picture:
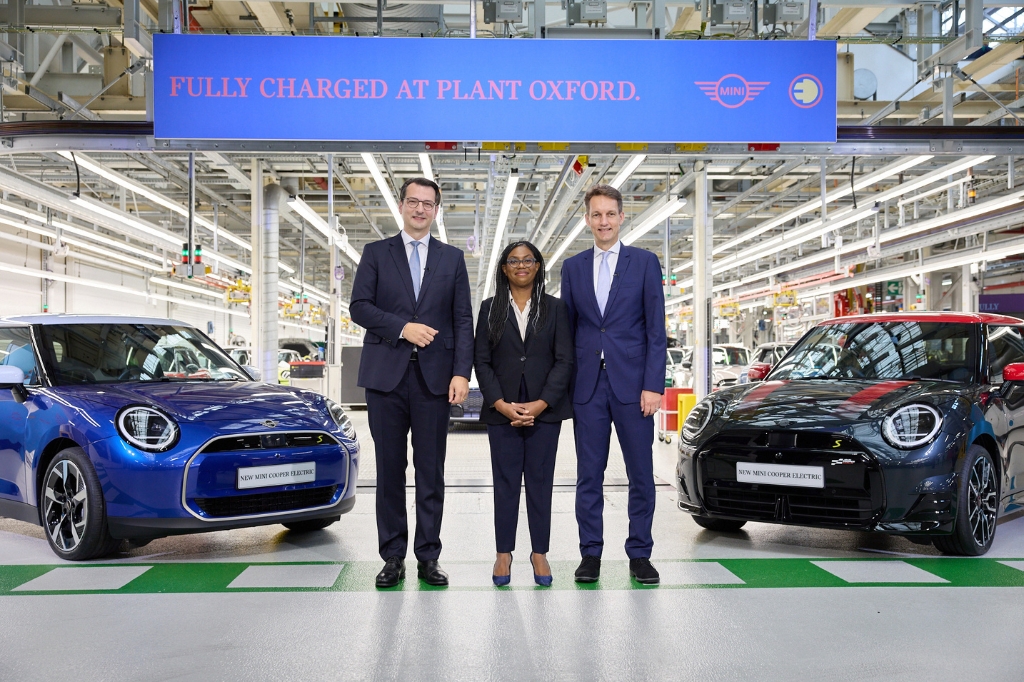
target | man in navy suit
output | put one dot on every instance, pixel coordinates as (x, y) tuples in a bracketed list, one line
[(411, 294), (617, 309)]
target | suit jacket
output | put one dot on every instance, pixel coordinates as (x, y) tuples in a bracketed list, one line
[(383, 302), (545, 359), (631, 333)]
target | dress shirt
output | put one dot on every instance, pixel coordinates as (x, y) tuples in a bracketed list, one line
[(613, 259), (407, 240), (522, 316)]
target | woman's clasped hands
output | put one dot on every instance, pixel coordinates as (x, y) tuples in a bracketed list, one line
[(521, 414)]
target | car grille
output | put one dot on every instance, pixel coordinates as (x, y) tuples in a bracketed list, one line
[(265, 503), (474, 402), (853, 495), (269, 441)]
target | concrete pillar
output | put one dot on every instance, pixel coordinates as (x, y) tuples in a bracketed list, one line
[(966, 290), (702, 244), (273, 197), (333, 352), (255, 280)]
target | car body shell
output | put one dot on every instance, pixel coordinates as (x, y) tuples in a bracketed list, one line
[(722, 375), (153, 494), (836, 424)]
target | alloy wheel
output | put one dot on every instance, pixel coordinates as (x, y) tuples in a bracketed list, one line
[(981, 501), (65, 505)]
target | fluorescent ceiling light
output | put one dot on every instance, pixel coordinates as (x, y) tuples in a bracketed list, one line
[(311, 216), (152, 195), (428, 171), (618, 181), (620, 178), (653, 220), (125, 219), (287, 268), (382, 185), (499, 230)]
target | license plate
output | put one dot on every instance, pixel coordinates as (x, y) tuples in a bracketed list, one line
[(279, 474), (781, 474)]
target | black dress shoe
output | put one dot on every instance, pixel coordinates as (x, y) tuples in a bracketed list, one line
[(589, 570), (430, 572), (392, 573), (643, 572)]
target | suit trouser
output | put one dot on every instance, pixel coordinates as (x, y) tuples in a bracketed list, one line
[(521, 454), (392, 414), (593, 427)]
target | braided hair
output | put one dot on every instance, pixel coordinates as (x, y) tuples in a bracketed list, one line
[(499, 306)]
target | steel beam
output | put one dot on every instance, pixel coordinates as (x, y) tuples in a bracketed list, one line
[(702, 282), (67, 16)]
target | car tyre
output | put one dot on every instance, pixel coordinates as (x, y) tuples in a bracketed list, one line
[(977, 507), (310, 525), (73, 510), (719, 525)]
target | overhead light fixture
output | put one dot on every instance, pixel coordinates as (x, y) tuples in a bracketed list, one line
[(382, 186), (654, 220), (287, 268), (617, 182), (314, 219), (499, 229), (311, 216), (152, 195), (124, 219), (428, 172)]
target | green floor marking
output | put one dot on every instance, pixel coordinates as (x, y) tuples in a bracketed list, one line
[(358, 576)]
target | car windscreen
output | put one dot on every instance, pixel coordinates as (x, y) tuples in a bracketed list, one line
[(114, 353), (725, 356), (884, 350)]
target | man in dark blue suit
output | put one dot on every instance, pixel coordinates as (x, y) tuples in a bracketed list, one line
[(617, 309), (411, 294)]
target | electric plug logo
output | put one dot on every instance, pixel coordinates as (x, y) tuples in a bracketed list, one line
[(805, 91)]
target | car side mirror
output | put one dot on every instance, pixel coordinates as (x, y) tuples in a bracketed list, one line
[(758, 371), (1013, 372), (253, 372), (14, 378), (687, 365)]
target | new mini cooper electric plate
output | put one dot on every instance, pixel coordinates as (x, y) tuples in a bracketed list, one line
[(780, 474), (279, 474)]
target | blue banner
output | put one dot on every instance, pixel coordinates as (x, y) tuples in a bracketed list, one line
[(437, 89)]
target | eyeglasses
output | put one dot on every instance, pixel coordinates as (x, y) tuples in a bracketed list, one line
[(515, 262), (416, 203)]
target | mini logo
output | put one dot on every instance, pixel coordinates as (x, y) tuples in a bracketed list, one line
[(805, 91), (844, 460), (269, 423), (732, 91)]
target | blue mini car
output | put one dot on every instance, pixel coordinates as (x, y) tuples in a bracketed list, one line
[(117, 429)]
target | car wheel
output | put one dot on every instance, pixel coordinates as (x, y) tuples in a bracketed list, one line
[(720, 525), (310, 525), (977, 507), (74, 512)]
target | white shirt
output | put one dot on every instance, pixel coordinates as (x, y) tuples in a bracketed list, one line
[(613, 259), (408, 240), (522, 316)]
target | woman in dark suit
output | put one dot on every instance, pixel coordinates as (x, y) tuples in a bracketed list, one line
[(524, 359)]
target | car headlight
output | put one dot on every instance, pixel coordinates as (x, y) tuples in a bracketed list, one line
[(147, 428), (911, 426), (341, 419), (698, 418)]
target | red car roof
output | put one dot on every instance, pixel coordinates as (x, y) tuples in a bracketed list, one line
[(949, 317)]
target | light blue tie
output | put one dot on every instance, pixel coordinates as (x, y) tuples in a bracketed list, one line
[(604, 282), (414, 269)]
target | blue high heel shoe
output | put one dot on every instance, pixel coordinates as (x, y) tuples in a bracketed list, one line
[(542, 580), (503, 580)]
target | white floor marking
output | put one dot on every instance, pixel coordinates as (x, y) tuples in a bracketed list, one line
[(1019, 565), (479, 574), (83, 578), (696, 573), (878, 572), (322, 575)]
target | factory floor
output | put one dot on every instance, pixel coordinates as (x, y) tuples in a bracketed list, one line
[(769, 602)]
